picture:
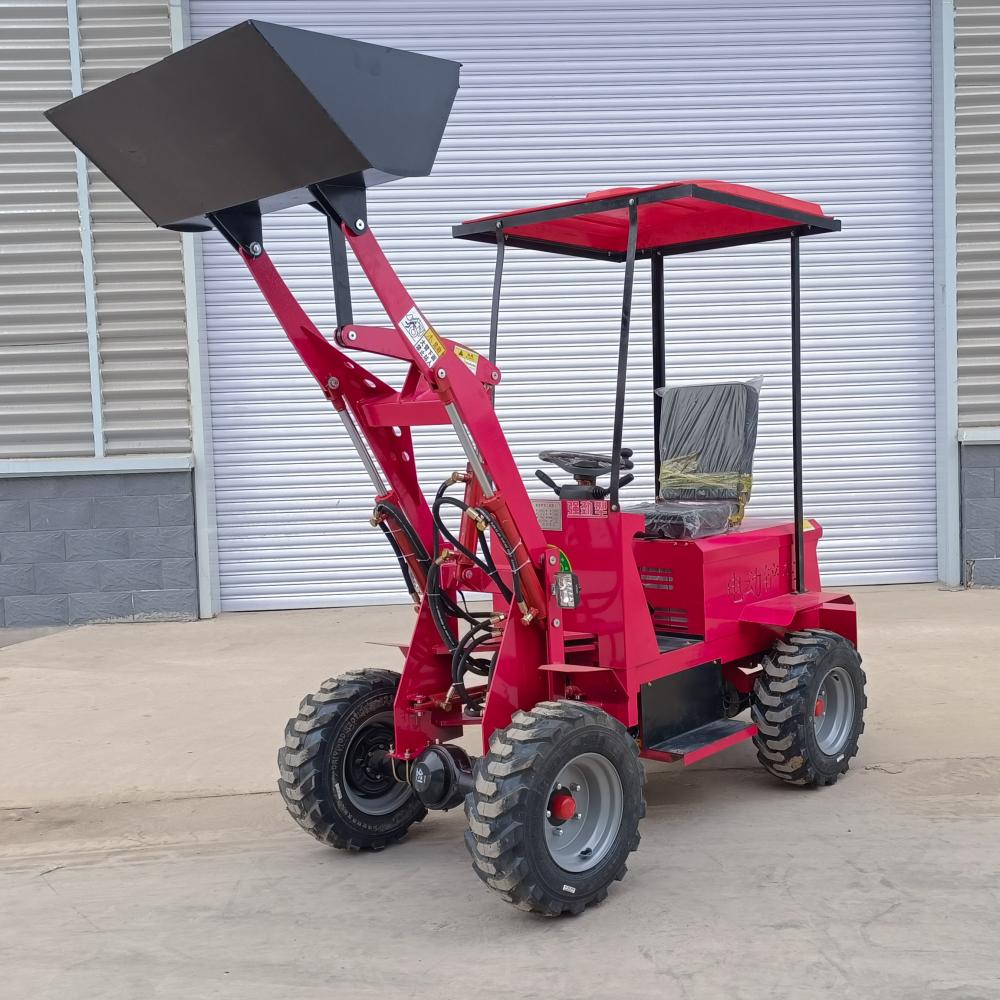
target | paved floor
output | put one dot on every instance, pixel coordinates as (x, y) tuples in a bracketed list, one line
[(144, 855)]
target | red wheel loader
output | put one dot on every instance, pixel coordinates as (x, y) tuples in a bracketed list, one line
[(614, 631)]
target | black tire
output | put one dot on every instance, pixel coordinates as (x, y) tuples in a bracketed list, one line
[(321, 753), (784, 706), (507, 808)]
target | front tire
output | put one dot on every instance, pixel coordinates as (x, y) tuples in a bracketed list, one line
[(332, 772), (808, 705), (556, 807)]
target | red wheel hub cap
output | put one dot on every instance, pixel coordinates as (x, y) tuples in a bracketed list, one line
[(562, 806)]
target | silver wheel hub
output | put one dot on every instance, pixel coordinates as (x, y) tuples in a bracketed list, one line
[(583, 812), (833, 711)]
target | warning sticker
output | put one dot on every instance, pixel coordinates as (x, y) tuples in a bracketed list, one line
[(422, 336), (425, 350), (432, 338), (413, 325), (470, 358)]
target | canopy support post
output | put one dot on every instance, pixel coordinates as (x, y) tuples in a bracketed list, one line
[(797, 418), (616, 442), (659, 360), (495, 305)]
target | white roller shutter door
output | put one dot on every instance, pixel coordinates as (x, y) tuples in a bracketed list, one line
[(829, 102)]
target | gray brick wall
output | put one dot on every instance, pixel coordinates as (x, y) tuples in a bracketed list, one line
[(981, 514), (102, 548)]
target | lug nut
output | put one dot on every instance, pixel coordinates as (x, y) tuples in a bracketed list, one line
[(575, 788)]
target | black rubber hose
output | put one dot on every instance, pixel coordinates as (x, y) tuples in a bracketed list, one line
[(401, 559), (434, 602), (385, 508), (462, 662), (466, 646), (508, 551), (486, 564)]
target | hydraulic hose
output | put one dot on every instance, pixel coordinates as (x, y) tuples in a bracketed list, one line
[(401, 559), (486, 563)]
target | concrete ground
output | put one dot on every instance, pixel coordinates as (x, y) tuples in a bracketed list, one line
[(144, 853)]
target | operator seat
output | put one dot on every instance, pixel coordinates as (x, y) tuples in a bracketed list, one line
[(707, 437)]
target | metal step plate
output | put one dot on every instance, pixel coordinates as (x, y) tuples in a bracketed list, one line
[(696, 744)]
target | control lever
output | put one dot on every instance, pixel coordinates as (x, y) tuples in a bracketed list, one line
[(548, 480), (600, 492)]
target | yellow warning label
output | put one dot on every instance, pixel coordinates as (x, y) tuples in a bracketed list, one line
[(470, 358), (435, 341)]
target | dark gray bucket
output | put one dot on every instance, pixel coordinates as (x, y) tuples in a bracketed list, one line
[(257, 113)]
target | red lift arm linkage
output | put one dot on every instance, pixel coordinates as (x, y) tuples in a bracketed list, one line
[(447, 382)]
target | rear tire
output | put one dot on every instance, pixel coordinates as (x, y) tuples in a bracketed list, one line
[(808, 706), (556, 807), (331, 773)]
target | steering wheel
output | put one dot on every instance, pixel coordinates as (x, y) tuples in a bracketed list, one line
[(584, 465), (585, 468)]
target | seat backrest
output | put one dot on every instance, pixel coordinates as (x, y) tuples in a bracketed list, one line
[(707, 437)]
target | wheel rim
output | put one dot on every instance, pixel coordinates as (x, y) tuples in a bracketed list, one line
[(833, 711), (583, 812), (368, 786)]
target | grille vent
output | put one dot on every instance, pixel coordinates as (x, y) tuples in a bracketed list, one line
[(656, 578)]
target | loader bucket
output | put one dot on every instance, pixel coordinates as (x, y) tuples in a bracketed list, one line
[(257, 113)]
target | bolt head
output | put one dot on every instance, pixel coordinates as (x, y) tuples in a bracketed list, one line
[(556, 623), (495, 376), (352, 334), (441, 373), (552, 560), (255, 249), (333, 383), (360, 225)]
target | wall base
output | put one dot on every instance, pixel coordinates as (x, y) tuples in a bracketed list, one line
[(97, 548), (981, 515)]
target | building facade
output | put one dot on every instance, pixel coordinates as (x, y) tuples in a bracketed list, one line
[(977, 175), (165, 455), (96, 494)]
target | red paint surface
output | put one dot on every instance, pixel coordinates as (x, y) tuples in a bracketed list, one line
[(660, 224), (731, 594)]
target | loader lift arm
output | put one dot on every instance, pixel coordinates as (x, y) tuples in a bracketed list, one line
[(446, 381)]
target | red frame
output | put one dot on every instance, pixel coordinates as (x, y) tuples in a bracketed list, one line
[(734, 591)]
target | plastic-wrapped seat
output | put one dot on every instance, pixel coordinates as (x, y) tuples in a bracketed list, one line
[(707, 437)]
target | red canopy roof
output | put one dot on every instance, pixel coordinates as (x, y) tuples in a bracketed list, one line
[(678, 217)]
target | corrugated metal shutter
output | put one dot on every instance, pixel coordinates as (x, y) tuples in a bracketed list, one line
[(44, 374), (977, 141), (825, 101), (137, 268)]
